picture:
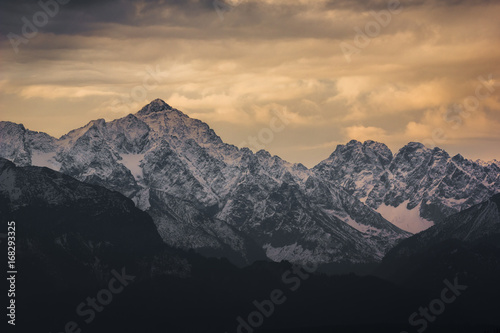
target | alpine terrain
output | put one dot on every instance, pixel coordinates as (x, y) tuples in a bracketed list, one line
[(223, 201)]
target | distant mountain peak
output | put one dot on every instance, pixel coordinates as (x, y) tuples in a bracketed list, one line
[(414, 146), (10, 126), (263, 153), (98, 122), (354, 148), (458, 158), (157, 105), (359, 144), (371, 143), (354, 143)]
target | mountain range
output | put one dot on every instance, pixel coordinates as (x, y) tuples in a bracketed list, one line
[(225, 201), (414, 188), (74, 238)]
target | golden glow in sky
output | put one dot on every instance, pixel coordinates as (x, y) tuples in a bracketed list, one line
[(390, 71)]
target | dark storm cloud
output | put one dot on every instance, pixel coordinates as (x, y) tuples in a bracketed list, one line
[(81, 16), (195, 18)]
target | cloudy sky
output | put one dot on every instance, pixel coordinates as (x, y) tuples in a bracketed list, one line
[(395, 72)]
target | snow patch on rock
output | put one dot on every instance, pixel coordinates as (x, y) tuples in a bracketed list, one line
[(48, 160), (133, 163), (403, 218)]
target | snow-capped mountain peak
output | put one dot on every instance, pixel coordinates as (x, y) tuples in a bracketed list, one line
[(156, 105)]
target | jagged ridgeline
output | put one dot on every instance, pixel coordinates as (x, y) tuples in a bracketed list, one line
[(223, 201)]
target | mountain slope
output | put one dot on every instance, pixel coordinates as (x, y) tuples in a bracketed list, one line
[(478, 223), (466, 243), (71, 234)]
